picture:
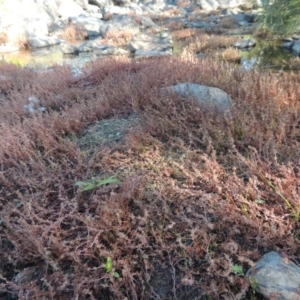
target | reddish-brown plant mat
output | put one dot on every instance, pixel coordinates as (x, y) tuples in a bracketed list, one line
[(120, 191)]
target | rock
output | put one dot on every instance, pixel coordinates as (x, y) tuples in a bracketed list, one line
[(91, 45), (69, 49), (243, 23), (21, 28), (112, 9), (201, 55), (151, 53), (34, 105), (42, 41), (119, 23), (63, 9), (288, 45), (296, 37), (146, 22), (83, 3), (248, 64), (93, 8), (287, 39), (89, 24), (216, 4), (147, 42), (101, 3), (200, 24), (242, 44), (231, 11), (35, 26), (274, 276), (135, 8), (121, 2), (296, 48), (13, 11), (105, 50), (57, 28), (239, 15), (205, 95)]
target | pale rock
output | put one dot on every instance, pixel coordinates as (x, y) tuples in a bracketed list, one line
[(90, 24), (42, 41), (244, 44), (151, 53), (119, 23), (147, 42), (205, 95)]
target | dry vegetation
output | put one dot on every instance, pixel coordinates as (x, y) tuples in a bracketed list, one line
[(201, 191), (73, 33), (231, 55), (3, 38), (228, 22), (119, 37), (198, 41)]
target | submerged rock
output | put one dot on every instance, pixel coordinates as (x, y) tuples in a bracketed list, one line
[(69, 49), (275, 276)]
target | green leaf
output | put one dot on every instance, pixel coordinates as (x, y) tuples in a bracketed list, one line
[(238, 270), (108, 264), (88, 187), (108, 181), (80, 183), (116, 274), (94, 183)]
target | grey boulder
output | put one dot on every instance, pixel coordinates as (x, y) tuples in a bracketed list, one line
[(205, 95), (90, 24), (106, 50), (147, 42), (35, 41), (119, 23), (296, 48), (151, 53), (275, 277)]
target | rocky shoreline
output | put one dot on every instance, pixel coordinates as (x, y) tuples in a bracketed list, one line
[(144, 26)]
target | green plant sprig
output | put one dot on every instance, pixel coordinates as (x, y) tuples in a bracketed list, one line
[(109, 267), (96, 182), (295, 210)]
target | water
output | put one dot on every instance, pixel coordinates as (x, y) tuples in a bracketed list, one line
[(43, 58), (267, 55)]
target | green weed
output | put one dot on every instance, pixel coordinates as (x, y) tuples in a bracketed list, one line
[(95, 183), (295, 210), (238, 270), (109, 267)]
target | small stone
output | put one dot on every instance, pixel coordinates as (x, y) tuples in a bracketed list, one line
[(35, 100), (244, 44)]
